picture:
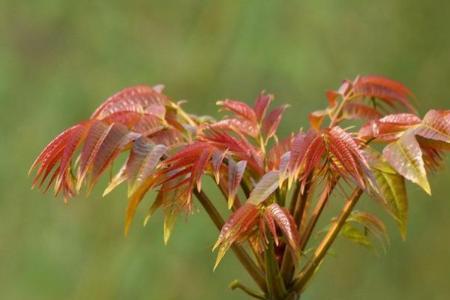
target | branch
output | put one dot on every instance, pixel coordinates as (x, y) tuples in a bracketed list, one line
[(274, 280), (243, 257), (237, 285), (327, 241), (323, 199), (298, 204)]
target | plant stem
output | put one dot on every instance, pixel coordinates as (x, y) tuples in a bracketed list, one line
[(275, 284), (327, 241), (323, 199), (237, 285), (243, 257), (298, 204)]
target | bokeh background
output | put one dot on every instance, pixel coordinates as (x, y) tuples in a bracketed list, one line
[(60, 59)]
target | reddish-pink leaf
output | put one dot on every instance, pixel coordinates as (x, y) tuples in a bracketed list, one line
[(286, 223), (268, 217), (238, 146), (272, 121), (216, 162), (306, 153), (262, 103), (239, 108), (199, 167), (388, 128), (387, 90), (435, 126), (136, 99), (277, 151), (239, 125), (97, 134), (235, 174), (236, 227), (112, 144), (354, 110)]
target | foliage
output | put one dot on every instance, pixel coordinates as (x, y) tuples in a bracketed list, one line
[(171, 151)]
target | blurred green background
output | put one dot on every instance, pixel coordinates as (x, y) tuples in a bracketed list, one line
[(61, 59)]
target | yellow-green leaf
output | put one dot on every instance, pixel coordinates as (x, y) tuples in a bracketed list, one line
[(405, 156), (392, 189)]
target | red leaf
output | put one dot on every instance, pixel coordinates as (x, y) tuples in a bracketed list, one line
[(387, 90), (216, 162), (113, 143), (350, 160), (277, 151), (97, 134), (286, 223), (435, 126), (239, 125), (139, 98), (237, 146), (239, 108), (388, 128), (61, 149), (238, 225), (272, 121), (306, 153), (262, 103), (354, 110), (199, 167), (235, 174)]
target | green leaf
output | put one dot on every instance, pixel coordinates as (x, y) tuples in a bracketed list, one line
[(355, 235), (405, 156), (392, 189), (360, 226)]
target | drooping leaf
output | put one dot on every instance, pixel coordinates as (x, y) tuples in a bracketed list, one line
[(372, 225), (356, 235), (97, 134), (112, 145), (349, 160), (216, 162), (286, 223), (199, 168), (364, 229), (405, 156), (235, 174), (392, 189), (140, 169), (236, 227)]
